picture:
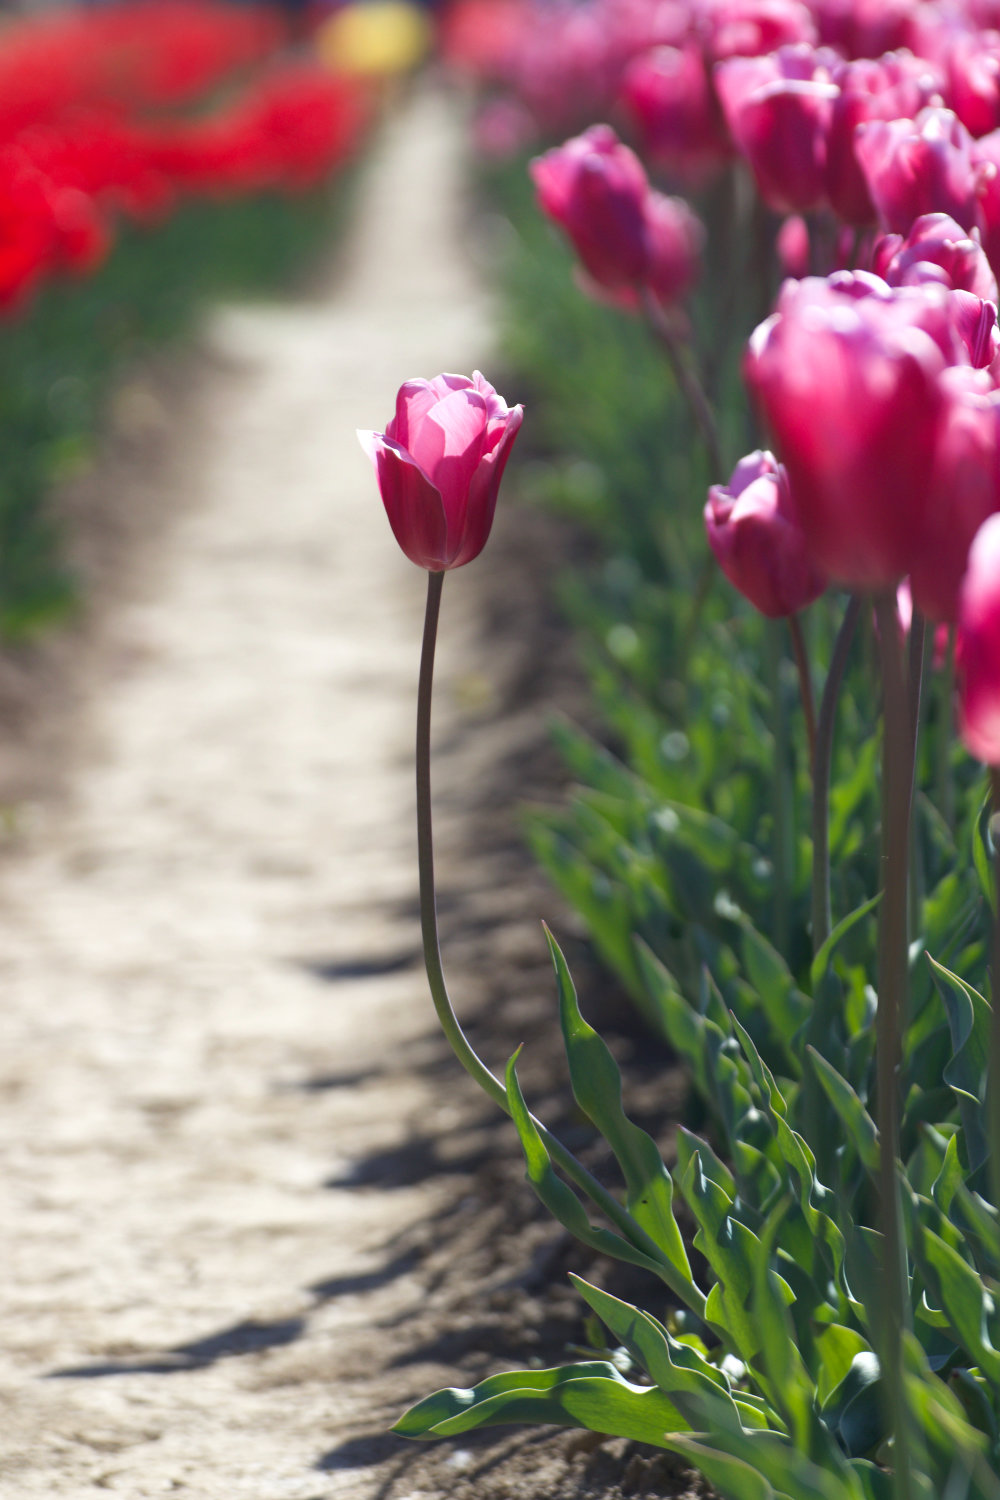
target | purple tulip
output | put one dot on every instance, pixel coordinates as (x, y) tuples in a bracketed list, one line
[(439, 464), (757, 541)]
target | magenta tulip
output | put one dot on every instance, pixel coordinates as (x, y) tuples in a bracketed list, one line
[(892, 87), (779, 110), (965, 490), (922, 166), (757, 541), (936, 248), (594, 187), (629, 237), (847, 375), (439, 464), (752, 28), (670, 97), (979, 645), (863, 28)]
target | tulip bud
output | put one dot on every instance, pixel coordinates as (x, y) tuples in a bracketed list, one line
[(593, 187), (757, 541), (439, 464), (892, 87), (846, 373), (978, 653), (628, 237)]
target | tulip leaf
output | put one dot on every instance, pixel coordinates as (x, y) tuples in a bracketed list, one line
[(959, 1292), (557, 1196), (593, 1395), (597, 1088), (821, 963), (850, 1111), (969, 1024)]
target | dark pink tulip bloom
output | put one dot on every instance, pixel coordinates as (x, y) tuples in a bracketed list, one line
[(793, 248), (921, 166), (594, 188), (972, 63), (987, 156), (936, 245), (975, 321), (439, 464), (863, 28), (965, 489), (669, 95), (757, 540), (892, 87), (979, 645), (847, 375), (752, 28), (779, 111)]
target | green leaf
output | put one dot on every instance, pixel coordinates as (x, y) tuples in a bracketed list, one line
[(821, 963), (850, 1111), (837, 1347), (676, 1368), (594, 1396), (734, 1478), (784, 1005), (969, 1023), (597, 1088), (960, 1294), (558, 1197)]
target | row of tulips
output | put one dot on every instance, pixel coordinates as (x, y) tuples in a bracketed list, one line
[(837, 1336), (120, 113)]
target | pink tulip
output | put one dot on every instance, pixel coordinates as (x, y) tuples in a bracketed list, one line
[(847, 375), (439, 464), (757, 540), (793, 248), (972, 64), (863, 28), (594, 188), (892, 87), (669, 95), (921, 166), (979, 645), (965, 490), (752, 28), (936, 248), (779, 111), (629, 238), (986, 153)]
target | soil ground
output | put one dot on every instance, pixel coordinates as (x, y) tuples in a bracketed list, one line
[(251, 1207)]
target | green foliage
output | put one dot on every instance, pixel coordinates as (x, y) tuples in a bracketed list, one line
[(60, 355)]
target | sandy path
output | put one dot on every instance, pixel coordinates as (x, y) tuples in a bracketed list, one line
[(194, 942)]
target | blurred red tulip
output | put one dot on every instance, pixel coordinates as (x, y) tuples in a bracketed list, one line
[(757, 540)]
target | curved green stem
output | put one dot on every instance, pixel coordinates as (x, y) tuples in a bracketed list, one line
[(822, 761), (685, 1291), (688, 383), (893, 985)]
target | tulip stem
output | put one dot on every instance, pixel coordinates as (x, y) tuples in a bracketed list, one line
[(688, 383), (822, 919), (993, 1068), (805, 682), (685, 1290), (893, 983)]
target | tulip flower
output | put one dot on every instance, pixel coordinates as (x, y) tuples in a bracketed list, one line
[(892, 87), (921, 166), (779, 110), (757, 541), (847, 375), (965, 490), (978, 652), (863, 28), (752, 28), (439, 464), (936, 244), (669, 95), (629, 238)]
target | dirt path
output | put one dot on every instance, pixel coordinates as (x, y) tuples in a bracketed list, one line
[(210, 1002)]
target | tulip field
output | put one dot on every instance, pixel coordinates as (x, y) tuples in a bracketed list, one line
[(785, 846), (719, 280)]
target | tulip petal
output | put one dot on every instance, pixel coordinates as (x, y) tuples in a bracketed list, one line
[(412, 502), (448, 447), (485, 486), (414, 400)]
